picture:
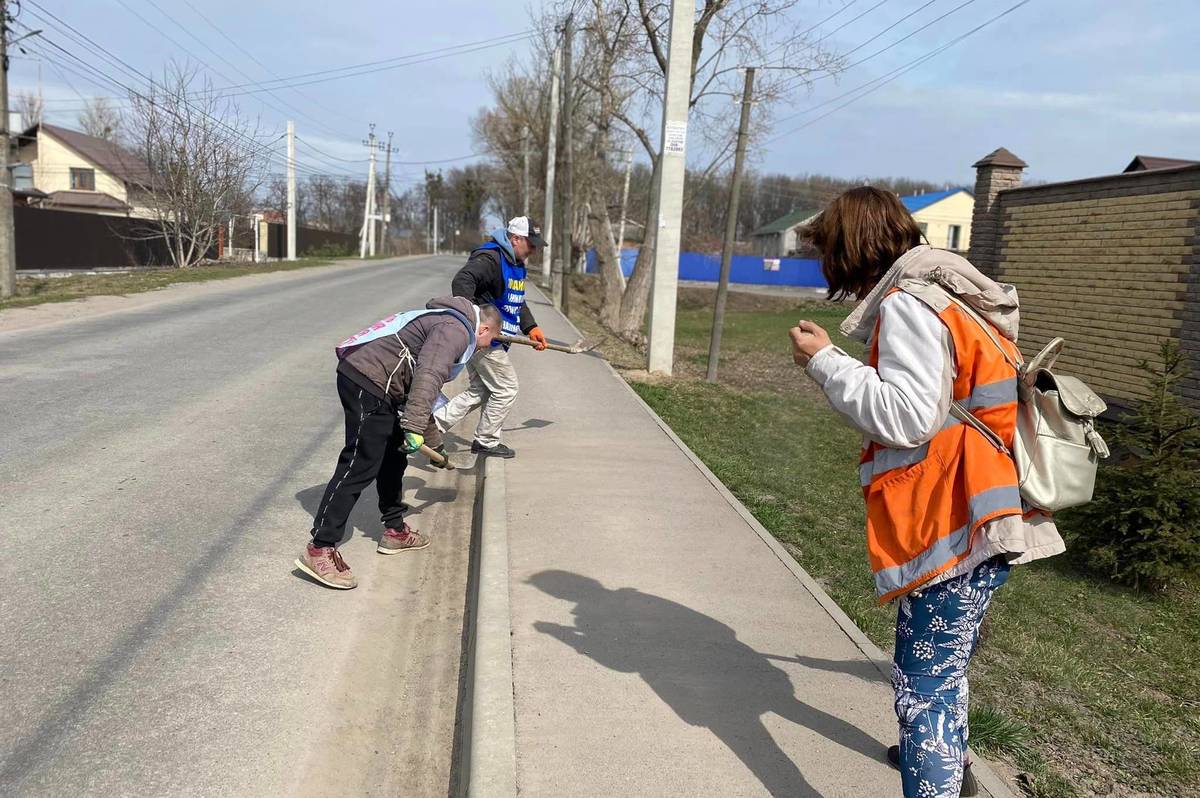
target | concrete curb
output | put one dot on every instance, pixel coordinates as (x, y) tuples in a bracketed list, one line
[(992, 784), (489, 752)]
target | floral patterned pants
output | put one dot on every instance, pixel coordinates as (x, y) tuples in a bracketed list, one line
[(936, 633)]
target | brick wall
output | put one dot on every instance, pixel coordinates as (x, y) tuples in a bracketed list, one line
[(1110, 264)]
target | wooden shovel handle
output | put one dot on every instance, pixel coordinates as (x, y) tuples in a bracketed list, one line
[(437, 458), (524, 341)]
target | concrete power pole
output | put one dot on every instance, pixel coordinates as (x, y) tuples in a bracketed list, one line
[(562, 288), (366, 239), (735, 194), (670, 188), (551, 159), (436, 238), (387, 194), (525, 170), (8, 240), (291, 188)]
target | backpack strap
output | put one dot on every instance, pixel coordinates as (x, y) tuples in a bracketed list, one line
[(987, 328), (967, 417)]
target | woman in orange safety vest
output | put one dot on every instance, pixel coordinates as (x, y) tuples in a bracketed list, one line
[(945, 519)]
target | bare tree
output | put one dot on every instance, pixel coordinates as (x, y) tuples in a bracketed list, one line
[(31, 107), (727, 35), (100, 118), (203, 160)]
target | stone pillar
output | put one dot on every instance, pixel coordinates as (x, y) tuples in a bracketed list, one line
[(994, 173)]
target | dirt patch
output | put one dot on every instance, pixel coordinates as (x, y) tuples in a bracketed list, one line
[(691, 298), (750, 371)]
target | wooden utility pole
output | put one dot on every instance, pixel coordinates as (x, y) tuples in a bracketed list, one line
[(735, 194), (562, 292), (8, 241)]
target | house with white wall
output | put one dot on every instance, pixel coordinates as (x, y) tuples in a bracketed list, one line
[(82, 173), (943, 216)]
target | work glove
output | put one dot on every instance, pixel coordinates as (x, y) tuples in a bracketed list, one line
[(538, 337), (412, 442)]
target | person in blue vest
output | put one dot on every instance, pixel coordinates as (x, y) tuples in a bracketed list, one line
[(495, 274), (389, 377)]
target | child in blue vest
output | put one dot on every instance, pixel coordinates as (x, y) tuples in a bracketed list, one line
[(389, 376)]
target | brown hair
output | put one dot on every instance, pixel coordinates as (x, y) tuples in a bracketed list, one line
[(490, 315), (860, 235)]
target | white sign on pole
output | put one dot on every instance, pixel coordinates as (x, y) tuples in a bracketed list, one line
[(770, 264), (675, 138)]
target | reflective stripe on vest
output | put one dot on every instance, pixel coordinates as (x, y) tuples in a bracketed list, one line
[(924, 504), (514, 292)]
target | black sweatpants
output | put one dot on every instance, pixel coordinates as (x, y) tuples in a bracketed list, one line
[(372, 452)]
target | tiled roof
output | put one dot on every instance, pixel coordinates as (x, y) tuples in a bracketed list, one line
[(110, 157), (1144, 163), (86, 199)]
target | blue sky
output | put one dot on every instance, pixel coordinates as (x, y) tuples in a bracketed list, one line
[(1074, 87)]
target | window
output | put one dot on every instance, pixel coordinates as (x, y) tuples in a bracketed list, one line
[(83, 179), (952, 239)]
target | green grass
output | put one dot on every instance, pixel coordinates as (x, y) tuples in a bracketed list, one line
[(1082, 685), (38, 290)]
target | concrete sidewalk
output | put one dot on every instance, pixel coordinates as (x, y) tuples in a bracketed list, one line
[(662, 643)]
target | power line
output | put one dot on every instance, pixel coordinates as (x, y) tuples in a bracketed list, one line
[(206, 64), (891, 76), (465, 51), (804, 33), (882, 50), (510, 38), (226, 37)]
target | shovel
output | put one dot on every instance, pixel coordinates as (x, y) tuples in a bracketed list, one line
[(574, 349)]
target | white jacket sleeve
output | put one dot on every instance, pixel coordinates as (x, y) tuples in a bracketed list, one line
[(906, 400)]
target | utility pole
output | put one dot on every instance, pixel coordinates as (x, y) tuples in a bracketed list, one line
[(525, 174), (8, 240), (291, 189), (735, 194), (436, 241), (624, 205), (670, 188), (366, 239), (562, 288), (387, 193), (551, 159)]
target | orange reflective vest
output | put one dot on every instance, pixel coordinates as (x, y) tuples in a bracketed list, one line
[(925, 504)]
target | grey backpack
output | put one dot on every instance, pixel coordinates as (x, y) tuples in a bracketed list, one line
[(1056, 448)]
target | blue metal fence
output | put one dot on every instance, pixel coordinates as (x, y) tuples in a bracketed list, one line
[(746, 269)]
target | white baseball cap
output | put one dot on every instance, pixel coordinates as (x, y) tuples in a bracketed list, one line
[(527, 228)]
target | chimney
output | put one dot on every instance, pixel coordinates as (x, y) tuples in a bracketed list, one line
[(995, 172)]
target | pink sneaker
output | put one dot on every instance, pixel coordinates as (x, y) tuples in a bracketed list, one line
[(325, 564), (405, 538)]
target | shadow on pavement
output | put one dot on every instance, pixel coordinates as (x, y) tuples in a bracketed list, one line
[(701, 670), (530, 423)]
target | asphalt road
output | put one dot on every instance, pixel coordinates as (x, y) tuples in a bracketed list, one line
[(158, 471)]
